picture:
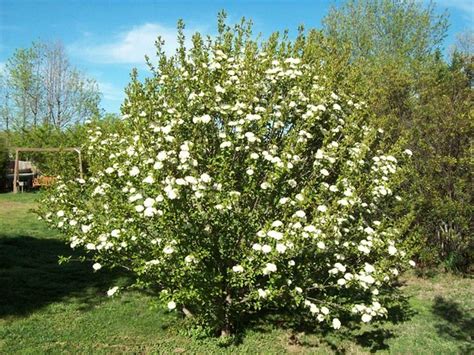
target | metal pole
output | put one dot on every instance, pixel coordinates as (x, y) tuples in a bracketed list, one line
[(15, 174)]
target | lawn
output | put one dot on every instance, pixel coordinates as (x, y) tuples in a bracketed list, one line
[(50, 308)]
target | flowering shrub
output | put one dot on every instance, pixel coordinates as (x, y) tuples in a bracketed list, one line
[(241, 179)]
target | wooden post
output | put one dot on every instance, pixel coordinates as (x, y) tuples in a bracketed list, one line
[(17, 168), (80, 163), (15, 174)]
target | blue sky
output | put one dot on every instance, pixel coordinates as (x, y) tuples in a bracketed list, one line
[(107, 38)]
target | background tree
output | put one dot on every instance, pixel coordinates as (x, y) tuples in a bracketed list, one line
[(40, 86), (395, 50)]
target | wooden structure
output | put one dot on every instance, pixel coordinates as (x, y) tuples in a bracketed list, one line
[(50, 180), (43, 181)]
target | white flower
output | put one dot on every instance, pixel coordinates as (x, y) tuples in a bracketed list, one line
[(139, 208), (191, 180), (324, 310), (149, 202), (313, 308), (367, 279), (292, 183), (172, 194), (300, 214), (264, 185), (270, 267), (322, 208), (333, 188), (189, 259), (310, 229), (369, 268), (149, 212), (115, 233), (321, 245), (254, 156), (85, 228), (134, 171), (109, 170), (205, 119), (257, 247), (168, 250), (135, 197), (366, 318), (341, 282), (343, 202), (219, 89), (202, 119), (392, 250), (283, 200), (97, 266), (184, 155), (60, 213), (149, 180), (324, 172), (266, 248), (262, 293), (281, 248), (225, 144), (181, 182), (171, 305), (408, 152), (291, 263), (277, 223), (205, 178), (336, 323), (369, 230), (112, 291), (275, 235), (250, 137), (336, 107), (158, 165), (237, 268), (412, 263), (340, 267), (250, 172), (298, 289)]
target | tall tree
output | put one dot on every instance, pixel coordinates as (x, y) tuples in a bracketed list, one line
[(41, 87), (387, 28), (424, 101), (391, 42)]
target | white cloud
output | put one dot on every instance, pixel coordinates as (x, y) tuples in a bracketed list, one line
[(131, 46), (111, 92)]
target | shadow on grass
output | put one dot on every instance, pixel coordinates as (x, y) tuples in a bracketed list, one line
[(31, 278), (455, 323), (373, 337)]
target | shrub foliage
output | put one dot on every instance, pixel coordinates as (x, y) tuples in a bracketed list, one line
[(243, 178)]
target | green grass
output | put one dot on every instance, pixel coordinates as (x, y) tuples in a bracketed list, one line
[(51, 308)]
